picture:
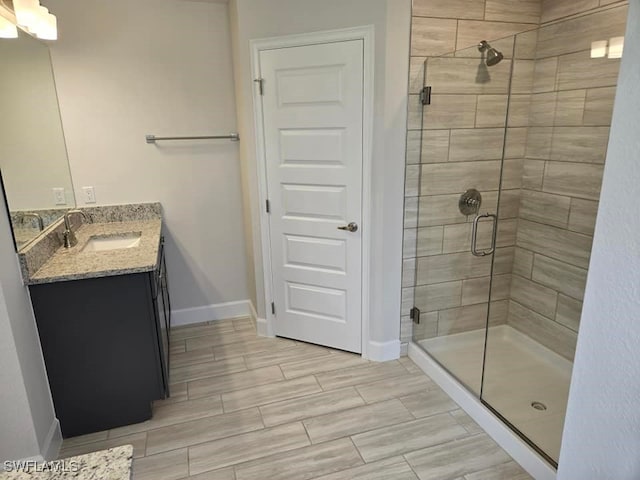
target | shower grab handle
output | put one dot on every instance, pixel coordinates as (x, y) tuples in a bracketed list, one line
[(474, 235)]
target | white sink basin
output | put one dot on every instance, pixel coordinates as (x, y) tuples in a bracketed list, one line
[(113, 242)]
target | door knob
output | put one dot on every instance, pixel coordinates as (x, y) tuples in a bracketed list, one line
[(352, 227)]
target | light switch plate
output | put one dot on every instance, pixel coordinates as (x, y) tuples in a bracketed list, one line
[(89, 194), (59, 197)]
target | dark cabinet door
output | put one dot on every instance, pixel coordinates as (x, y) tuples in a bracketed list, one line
[(166, 302), (99, 342), (163, 339), (167, 299), (162, 308)]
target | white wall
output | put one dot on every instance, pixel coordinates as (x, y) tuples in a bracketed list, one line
[(601, 436), (17, 437), (253, 19), (129, 68), (28, 427)]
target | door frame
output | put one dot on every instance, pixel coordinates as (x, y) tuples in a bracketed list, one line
[(366, 34)]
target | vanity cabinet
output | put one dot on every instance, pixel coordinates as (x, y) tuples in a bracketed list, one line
[(106, 347)]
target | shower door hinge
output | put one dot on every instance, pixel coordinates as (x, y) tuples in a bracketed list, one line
[(414, 314), (425, 96), (273, 308), (268, 206), (260, 82)]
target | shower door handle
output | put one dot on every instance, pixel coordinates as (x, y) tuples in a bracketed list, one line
[(474, 235)]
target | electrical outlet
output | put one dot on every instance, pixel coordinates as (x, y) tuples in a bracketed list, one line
[(59, 196), (89, 194)]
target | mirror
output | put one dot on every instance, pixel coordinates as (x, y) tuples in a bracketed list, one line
[(33, 155)]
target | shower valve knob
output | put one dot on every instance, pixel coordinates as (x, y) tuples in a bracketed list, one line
[(470, 202)]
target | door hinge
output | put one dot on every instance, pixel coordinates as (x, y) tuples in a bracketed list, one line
[(425, 95), (268, 206), (414, 315), (260, 82), (273, 308)]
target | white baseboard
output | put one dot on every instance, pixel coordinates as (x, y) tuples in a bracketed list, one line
[(522, 453), (264, 328), (50, 447), (53, 441), (253, 313), (208, 313), (383, 351)]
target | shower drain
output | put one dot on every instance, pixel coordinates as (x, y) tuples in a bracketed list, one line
[(539, 406)]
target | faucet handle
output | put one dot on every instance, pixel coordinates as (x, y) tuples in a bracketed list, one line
[(33, 215), (67, 216), (78, 211)]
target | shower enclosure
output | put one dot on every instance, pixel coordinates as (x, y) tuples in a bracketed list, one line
[(506, 150)]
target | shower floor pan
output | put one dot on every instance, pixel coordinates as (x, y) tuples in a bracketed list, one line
[(525, 382)]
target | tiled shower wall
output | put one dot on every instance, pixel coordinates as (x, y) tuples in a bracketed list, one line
[(462, 148), (571, 108), (558, 117)]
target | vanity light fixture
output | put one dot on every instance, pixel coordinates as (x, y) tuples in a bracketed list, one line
[(30, 16)]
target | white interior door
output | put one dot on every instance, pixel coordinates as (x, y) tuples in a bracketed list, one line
[(313, 129)]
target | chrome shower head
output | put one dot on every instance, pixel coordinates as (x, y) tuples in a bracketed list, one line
[(493, 56)]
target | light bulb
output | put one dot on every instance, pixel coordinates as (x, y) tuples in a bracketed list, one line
[(38, 23), (7, 29), (26, 12), (47, 27)]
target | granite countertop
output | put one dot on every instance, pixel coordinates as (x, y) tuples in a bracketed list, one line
[(112, 464), (24, 235), (74, 264)]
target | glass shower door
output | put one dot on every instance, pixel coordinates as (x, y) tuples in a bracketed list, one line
[(459, 239), (567, 111)]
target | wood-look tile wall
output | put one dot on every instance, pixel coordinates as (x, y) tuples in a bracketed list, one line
[(570, 115), (558, 127), (462, 138)]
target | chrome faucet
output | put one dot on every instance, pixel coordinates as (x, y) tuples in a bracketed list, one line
[(68, 237), (33, 215)]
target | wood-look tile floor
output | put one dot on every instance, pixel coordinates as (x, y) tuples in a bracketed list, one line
[(244, 407)]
